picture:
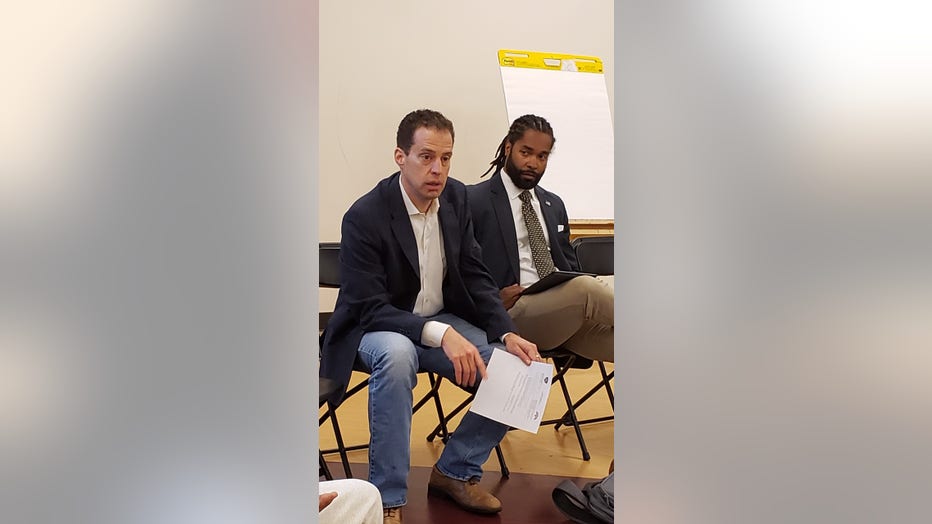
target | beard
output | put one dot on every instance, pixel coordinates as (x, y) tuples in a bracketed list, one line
[(515, 175)]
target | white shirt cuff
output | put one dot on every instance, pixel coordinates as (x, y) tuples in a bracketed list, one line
[(502, 338), (433, 332)]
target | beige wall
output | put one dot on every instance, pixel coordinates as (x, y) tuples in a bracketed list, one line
[(380, 60)]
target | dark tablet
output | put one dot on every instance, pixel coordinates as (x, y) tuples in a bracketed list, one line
[(553, 279)]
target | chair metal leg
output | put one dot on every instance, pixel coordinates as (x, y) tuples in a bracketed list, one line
[(603, 384), (432, 393), (560, 377), (569, 402), (341, 447), (440, 430), (608, 387), (324, 470), (501, 461), (442, 424)]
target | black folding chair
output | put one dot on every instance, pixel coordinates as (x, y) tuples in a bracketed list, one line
[(329, 277), (595, 255)]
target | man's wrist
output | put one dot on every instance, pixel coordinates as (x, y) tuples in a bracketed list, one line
[(432, 335)]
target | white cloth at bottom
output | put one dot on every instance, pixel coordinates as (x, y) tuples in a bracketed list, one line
[(357, 502)]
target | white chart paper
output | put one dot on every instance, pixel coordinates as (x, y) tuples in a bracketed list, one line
[(581, 168), (514, 394)]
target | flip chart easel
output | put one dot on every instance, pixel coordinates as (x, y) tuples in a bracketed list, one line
[(569, 91)]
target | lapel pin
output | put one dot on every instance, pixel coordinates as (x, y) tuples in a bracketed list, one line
[(547, 202)]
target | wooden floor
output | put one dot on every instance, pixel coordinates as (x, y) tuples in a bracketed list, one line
[(537, 462), (526, 499)]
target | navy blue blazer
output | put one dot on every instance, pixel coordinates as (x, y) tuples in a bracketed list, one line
[(380, 278), (494, 227)]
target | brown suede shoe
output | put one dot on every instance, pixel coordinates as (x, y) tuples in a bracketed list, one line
[(391, 516), (467, 494)]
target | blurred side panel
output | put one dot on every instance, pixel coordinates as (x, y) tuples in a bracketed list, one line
[(158, 229), (774, 175)]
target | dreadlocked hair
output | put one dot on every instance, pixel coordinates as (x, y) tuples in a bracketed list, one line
[(515, 132)]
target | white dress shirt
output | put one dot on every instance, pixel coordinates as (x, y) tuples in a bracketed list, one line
[(525, 260), (432, 265)]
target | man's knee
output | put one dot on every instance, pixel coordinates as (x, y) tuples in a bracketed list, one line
[(591, 286), (396, 356), (597, 296)]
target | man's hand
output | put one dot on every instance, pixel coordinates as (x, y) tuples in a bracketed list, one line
[(523, 349), (465, 357), (326, 499), (510, 295)]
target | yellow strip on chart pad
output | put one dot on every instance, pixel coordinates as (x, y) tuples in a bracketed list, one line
[(550, 61)]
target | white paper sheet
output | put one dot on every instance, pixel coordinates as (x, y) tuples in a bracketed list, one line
[(581, 168), (514, 394)]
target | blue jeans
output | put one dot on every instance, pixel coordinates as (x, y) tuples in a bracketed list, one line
[(393, 361)]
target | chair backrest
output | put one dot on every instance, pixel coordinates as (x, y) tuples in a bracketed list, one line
[(329, 275), (596, 254), (329, 264)]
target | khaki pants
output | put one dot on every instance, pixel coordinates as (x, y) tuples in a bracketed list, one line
[(578, 314)]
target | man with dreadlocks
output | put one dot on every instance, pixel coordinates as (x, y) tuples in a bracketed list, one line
[(524, 233)]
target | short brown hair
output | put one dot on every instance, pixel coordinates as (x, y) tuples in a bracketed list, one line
[(416, 120)]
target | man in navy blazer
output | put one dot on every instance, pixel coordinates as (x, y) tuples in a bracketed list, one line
[(524, 233), (415, 295)]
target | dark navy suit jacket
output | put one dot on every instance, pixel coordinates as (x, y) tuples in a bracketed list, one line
[(494, 227), (380, 279)]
